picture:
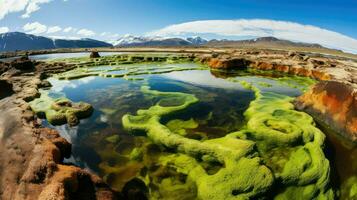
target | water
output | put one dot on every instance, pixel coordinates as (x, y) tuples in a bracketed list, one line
[(60, 56), (101, 144)]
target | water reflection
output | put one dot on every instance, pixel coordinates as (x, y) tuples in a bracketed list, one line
[(102, 145)]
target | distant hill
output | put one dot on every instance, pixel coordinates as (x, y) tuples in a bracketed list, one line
[(137, 41), (262, 41), (21, 41)]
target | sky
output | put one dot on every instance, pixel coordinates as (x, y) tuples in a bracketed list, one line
[(329, 22)]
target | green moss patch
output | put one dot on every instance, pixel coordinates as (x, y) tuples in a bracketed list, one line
[(60, 111), (278, 154)]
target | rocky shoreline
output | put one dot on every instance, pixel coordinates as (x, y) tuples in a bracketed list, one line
[(31, 156), (333, 101)]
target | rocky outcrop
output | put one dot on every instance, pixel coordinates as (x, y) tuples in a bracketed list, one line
[(94, 54), (31, 157), (23, 63), (290, 69), (229, 63), (6, 89), (333, 103), (294, 63)]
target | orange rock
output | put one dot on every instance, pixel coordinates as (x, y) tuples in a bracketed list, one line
[(335, 104), (264, 66), (282, 68), (229, 63), (320, 75)]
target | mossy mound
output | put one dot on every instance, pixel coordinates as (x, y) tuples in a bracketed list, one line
[(278, 155), (60, 111), (127, 71)]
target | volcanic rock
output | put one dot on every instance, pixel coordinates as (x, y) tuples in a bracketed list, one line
[(333, 103), (94, 54), (23, 63), (229, 63)]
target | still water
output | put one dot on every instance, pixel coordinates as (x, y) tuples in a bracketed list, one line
[(101, 145)]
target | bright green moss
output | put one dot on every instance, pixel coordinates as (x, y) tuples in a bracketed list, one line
[(129, 72), (264, 84), (245, 172), (60, 111), (136, 154), (179, 126), (349, 189), (113, 139)]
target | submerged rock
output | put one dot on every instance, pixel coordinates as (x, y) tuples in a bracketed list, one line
[(334, 104)]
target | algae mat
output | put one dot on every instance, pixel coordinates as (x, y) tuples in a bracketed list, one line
[(174, 131)]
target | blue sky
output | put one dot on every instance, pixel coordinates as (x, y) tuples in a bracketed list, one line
[(108, 19)]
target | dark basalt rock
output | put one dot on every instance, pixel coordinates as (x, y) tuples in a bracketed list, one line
[(135, 189), (94, 54), (6, 89), (23, 63)]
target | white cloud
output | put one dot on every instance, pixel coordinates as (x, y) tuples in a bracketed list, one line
[(261, 28), (110, 35), (33, 6), (54, 29), (86, 32), (4, 29), (104, 34), (68, 29), (11, 6), (64, 37), (35, 28)]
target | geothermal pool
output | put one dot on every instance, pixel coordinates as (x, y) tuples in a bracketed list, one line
[(180, 131)]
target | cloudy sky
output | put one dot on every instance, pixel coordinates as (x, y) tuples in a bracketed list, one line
[(328, 22)]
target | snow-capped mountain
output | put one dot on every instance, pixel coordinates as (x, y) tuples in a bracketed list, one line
[(197, 40), (21, 41), (130, 40)]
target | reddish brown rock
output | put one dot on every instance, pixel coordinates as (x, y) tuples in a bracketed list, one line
[(229, 63), (319, 75), (333, 103), (264, 66), (31, 157), (282, 68)]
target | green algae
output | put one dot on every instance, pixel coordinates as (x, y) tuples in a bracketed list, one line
[(264, 84), (61, 110), (129, 71), (276, 155), (113, 139), (245, 172), (124, 59), (349, 188), (179, 126)]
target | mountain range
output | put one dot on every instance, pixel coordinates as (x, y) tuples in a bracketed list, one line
[(262, 41), (139, 41), (21, 41)]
